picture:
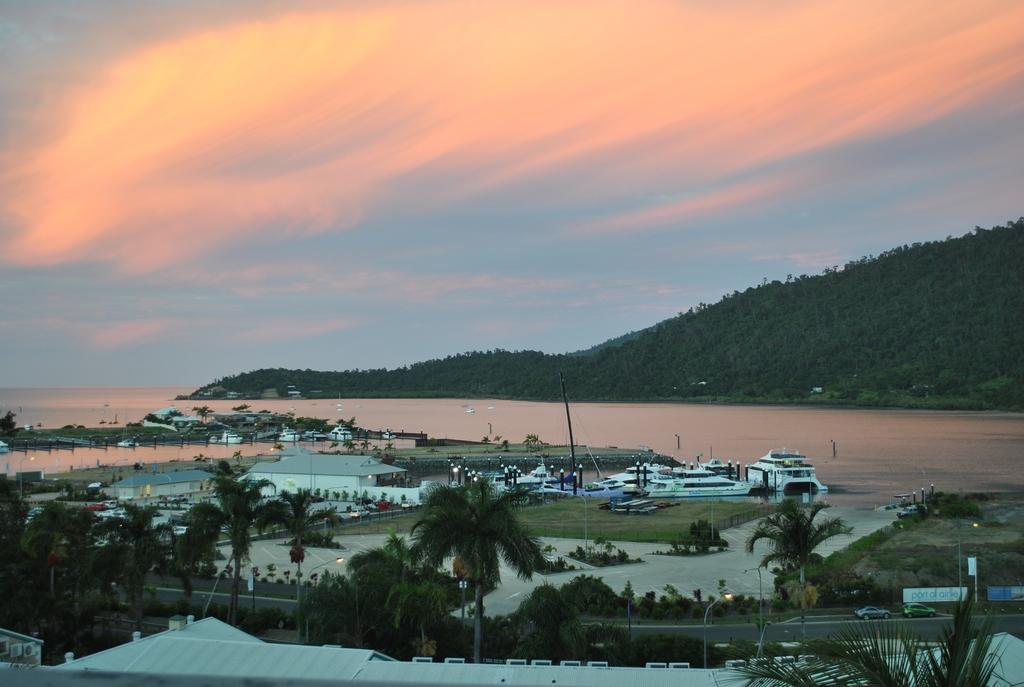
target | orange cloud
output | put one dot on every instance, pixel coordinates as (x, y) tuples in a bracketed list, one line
[(128, 334), (308, 122)]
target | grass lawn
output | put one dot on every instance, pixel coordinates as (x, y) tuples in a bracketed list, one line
[(565, 519)]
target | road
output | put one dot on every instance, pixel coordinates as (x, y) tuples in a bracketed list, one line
[(820, 627), (816, 627)]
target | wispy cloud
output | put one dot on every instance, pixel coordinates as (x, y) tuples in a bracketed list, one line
[(304, 123)]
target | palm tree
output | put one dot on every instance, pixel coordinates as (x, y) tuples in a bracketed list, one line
[(197, 547), (552, 626), (792, 537), (888, 655), (300, 520), (242, 507), (479, 526), (138, 546), (419, 603), (202, 411), (531, 441)]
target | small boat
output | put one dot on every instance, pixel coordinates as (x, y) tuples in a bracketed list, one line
[(226, 438), (470, 410), (785, 471), (288, 436), (4, 448), (128, 443)]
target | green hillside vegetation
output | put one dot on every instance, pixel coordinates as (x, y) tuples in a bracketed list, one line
[(931, 325)]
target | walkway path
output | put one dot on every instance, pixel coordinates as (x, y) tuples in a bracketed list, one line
[(685, 573)]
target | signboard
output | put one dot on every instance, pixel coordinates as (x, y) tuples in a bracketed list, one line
[(934, 594), (1006, 593), (972, 566)]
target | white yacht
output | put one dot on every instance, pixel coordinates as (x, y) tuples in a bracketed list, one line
[(785, 471), (226, 438), (629, 481), (128, 443), (694, 483), (340, 433), (4, 448), (288, 436)]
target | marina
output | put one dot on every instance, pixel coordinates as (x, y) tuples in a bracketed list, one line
[(863, 456)]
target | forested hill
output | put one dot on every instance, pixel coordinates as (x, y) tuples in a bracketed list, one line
[(937, 325)]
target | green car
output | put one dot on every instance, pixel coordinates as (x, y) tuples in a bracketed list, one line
[(912, 610)]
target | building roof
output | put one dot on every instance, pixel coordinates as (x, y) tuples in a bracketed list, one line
[(164, 478), (299, 461), (211, 648), (18, 635)]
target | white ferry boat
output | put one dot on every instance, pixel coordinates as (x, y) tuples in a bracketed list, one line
[(694, 483), (785, 471)]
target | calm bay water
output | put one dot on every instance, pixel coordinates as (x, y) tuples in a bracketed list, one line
[(879, 452)]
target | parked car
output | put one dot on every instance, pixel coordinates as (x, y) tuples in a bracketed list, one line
[(908, 511), (96, 507), (916, 610), (869, 612)]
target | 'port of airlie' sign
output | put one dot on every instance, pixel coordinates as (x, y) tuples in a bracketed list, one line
[(933, 594)]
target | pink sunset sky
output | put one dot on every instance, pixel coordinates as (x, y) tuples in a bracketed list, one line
[(192, 189)]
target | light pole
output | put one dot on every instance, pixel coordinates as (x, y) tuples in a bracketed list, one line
[(21, 477), (726, 596), (760, 596), (336, 561), (959, 560), (355, 588), (463, 584)]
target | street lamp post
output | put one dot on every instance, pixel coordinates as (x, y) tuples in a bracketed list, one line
[(760, 596), (336, 561), (463, 584), (355, 588), (21, 477), (726, 596)]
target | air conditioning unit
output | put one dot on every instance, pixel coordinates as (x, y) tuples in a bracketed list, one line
[(422, 659), (735, 663), (516, 662), (452, 659), (597, 664), (679, 665), (574, 664), (30, 649), (540, 662), (655, 664)]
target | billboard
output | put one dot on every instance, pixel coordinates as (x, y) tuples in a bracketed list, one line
[(933, 594), (1006, 593)]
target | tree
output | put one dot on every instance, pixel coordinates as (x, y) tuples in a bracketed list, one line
[(300, 519), (242, 408), (8, 427), (889, 655), (202, 411), (138, 546), (479, 526), (418, 603), (242, 507), (196, 549), (550, 625), (792, 536), (531, 441)]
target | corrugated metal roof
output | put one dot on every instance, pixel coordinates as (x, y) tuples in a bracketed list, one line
[(174, 653), (529, 676), (299, 461), (164, 478)]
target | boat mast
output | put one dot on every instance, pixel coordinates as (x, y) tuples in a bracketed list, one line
[(572, 444)]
